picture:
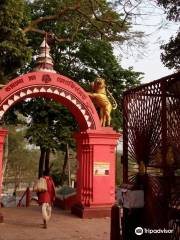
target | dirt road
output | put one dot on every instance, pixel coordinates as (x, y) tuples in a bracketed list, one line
[(26, 224)]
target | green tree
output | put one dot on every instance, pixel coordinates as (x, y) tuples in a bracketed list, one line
[(81, 42), (22, 160), (50, 128), (171, 52), (172, 9), (67, 21), (81, 35), (14, 52)]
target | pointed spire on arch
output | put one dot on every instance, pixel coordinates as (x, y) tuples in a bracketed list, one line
[(44, 61)]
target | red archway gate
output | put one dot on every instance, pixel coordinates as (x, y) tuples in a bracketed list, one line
[(95, 145), (54, 86)]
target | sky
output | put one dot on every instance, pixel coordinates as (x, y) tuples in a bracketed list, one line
[(157, 31)]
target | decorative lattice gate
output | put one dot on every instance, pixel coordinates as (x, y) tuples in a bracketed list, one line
[(151, 138)]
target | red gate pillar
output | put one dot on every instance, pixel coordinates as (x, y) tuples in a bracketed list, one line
[(96, 151), (3, 133)]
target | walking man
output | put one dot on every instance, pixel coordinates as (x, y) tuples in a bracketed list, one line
[(46, 199)]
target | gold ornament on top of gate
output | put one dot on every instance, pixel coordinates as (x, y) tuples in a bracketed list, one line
[(103, 100)]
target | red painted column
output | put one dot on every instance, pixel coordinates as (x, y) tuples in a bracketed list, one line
[(3, 133), (96, 152)]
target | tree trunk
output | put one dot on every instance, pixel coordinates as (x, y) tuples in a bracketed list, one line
[(5, 157), (41, 162), (66, 158), (69, 166), (47, 157)]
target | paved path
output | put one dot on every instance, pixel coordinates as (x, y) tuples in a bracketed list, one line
[(25, 224)]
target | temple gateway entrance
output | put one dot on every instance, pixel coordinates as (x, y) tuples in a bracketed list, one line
[(95, 144)]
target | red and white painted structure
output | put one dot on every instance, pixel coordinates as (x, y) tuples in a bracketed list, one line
[(95, 144)]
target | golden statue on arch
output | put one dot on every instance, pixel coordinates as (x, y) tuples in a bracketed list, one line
[(103, 100)]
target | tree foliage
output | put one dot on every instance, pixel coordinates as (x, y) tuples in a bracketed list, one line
[(22, 161), (73, 19), (47, 128), (172, 9), (171, 52), (50, 127), (171, 55), (81, 42), (14, 52), (81, 35)]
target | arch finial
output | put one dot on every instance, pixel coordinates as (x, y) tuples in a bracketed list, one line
[(44, 61)]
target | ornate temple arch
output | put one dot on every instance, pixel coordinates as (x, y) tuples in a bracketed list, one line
[(55, 86), (96, 145)]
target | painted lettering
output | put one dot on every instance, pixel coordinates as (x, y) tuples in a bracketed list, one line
[(46, 78), (60, 80), (32, 77), (73, 86), (14, 84)]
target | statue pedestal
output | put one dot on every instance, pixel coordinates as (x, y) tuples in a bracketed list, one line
[(96, 152)]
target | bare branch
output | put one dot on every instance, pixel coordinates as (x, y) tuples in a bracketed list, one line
[(33, 26), (111, 22), (34, 23), (36, 30)]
